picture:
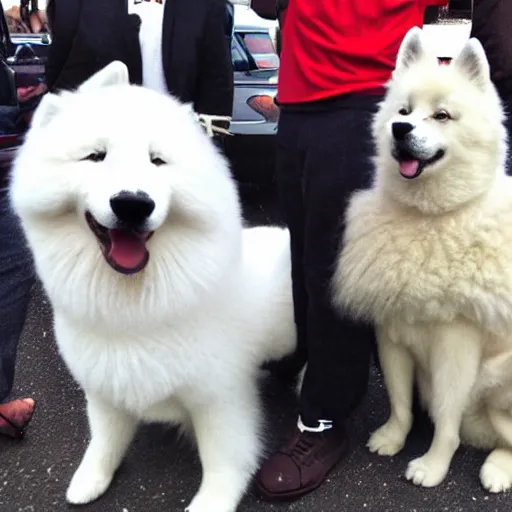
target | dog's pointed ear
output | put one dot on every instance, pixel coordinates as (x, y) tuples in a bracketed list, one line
[(47, 109), (473, 62), (411, 50), (115, 73)]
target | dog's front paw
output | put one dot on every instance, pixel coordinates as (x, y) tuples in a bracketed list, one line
[(387, 440), (494, 478), (426, 472), (87, 485), (210, 502)]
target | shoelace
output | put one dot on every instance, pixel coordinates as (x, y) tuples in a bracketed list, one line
[(301, 450)]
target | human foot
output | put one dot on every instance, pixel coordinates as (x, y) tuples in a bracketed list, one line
[(302, 464), (15, 417)]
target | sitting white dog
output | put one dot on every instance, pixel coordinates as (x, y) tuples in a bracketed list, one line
[(428, 259), (164, 306)]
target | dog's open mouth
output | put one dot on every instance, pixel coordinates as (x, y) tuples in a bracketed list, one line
[(410, 166), (124, 249)]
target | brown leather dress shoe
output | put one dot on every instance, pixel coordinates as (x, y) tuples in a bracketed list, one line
[(302, 464)]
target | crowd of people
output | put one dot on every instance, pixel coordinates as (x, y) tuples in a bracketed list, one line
[(335, 60)]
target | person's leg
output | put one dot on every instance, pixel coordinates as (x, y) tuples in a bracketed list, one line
[(289, 178), (337, 154), (339, 349), (16, 279)]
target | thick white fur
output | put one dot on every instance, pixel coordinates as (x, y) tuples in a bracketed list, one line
[(181, 341), (429, 261)]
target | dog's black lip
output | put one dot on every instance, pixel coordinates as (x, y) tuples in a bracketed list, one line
[(101, 233), (401, 155)]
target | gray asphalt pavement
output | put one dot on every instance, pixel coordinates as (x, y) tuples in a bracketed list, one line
[(162, 474)]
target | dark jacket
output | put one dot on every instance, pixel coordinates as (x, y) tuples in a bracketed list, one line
[(492, 26), (88, 34)]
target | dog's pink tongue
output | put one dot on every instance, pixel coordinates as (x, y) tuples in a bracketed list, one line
[(409, 168), (127, 249)]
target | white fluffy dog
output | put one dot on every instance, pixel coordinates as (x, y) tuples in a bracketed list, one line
[(164, 306), (428, 259)]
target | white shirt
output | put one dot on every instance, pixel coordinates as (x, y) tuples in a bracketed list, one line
[(150, 37)]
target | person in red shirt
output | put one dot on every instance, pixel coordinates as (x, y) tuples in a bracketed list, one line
[(336, 57)]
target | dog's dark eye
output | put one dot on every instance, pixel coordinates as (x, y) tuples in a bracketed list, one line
[(97, 156), (156, 160), (404, 112), (442, 115)]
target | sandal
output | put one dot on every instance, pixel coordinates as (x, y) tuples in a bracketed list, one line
[(14, 424)]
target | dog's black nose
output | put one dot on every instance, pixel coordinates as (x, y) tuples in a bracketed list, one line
[(400, 130), (132, 207)]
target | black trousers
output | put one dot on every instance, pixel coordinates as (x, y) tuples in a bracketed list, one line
[(324, 155)]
